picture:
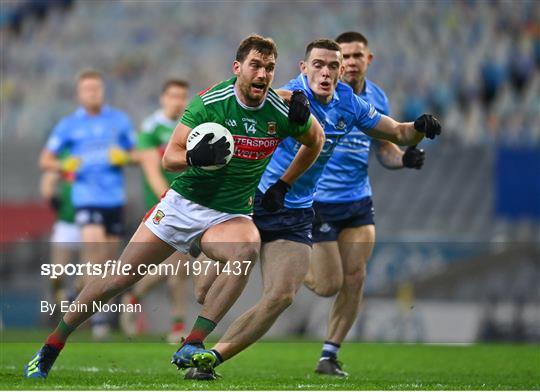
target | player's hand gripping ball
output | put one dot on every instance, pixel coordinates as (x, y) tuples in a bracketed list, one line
[(210, 146), (428, 125)]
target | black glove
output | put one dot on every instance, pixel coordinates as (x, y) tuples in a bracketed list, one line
[(429, 125), (413, 158), (55, 203), (299, 107), (208, 154), (274, 197)]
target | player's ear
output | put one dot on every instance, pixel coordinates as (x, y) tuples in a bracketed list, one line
[(303, 67), (370, 58), (236, 67)]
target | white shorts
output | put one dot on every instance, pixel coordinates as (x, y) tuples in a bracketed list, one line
[(181, 222), (66, 234)]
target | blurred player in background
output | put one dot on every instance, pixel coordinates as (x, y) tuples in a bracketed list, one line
[(99, 139), (344, 228), (283, 211), (55, 189), (209, 207), (151, 143)]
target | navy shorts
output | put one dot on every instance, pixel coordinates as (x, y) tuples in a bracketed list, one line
[(331, 218), (292, 224), (111, 218)]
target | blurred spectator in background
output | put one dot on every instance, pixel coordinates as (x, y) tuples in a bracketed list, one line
[(15, 13), (476, 50), (520, 67), (492, 75)]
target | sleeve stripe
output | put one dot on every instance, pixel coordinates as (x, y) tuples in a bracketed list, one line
[(225, 93), (221, 98), (216, 93), (278, 108), (210, 92), (278, 100), (277, 104)]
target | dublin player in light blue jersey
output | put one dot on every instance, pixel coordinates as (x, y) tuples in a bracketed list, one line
[(284, 214), (344, 229), (99, 139)]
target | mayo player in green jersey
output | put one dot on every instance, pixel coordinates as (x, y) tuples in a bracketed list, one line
[(152, 140), (211, 208)]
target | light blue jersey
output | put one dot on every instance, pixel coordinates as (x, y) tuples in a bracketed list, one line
[(344, 112), (345, 177), (88, 137)]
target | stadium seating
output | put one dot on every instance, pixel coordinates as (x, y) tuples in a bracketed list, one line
[(467, 50)]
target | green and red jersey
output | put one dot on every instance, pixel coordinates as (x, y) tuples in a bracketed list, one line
[(257, 131)]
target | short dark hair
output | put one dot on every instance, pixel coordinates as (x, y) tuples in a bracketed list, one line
[(89, 74), (351, 36), (322, 44), (174, 83), (262, 45)]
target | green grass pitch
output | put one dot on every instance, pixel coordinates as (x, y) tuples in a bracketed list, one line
[(283, 365)]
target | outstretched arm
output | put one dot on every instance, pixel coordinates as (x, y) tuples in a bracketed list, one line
[(402, 134), (406, 134)]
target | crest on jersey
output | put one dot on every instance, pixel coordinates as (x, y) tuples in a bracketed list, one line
[(341, 124), (271, 127), (158, 217)]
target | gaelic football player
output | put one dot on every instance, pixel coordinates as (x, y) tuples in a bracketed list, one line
[(209, 207), (283, 212)]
